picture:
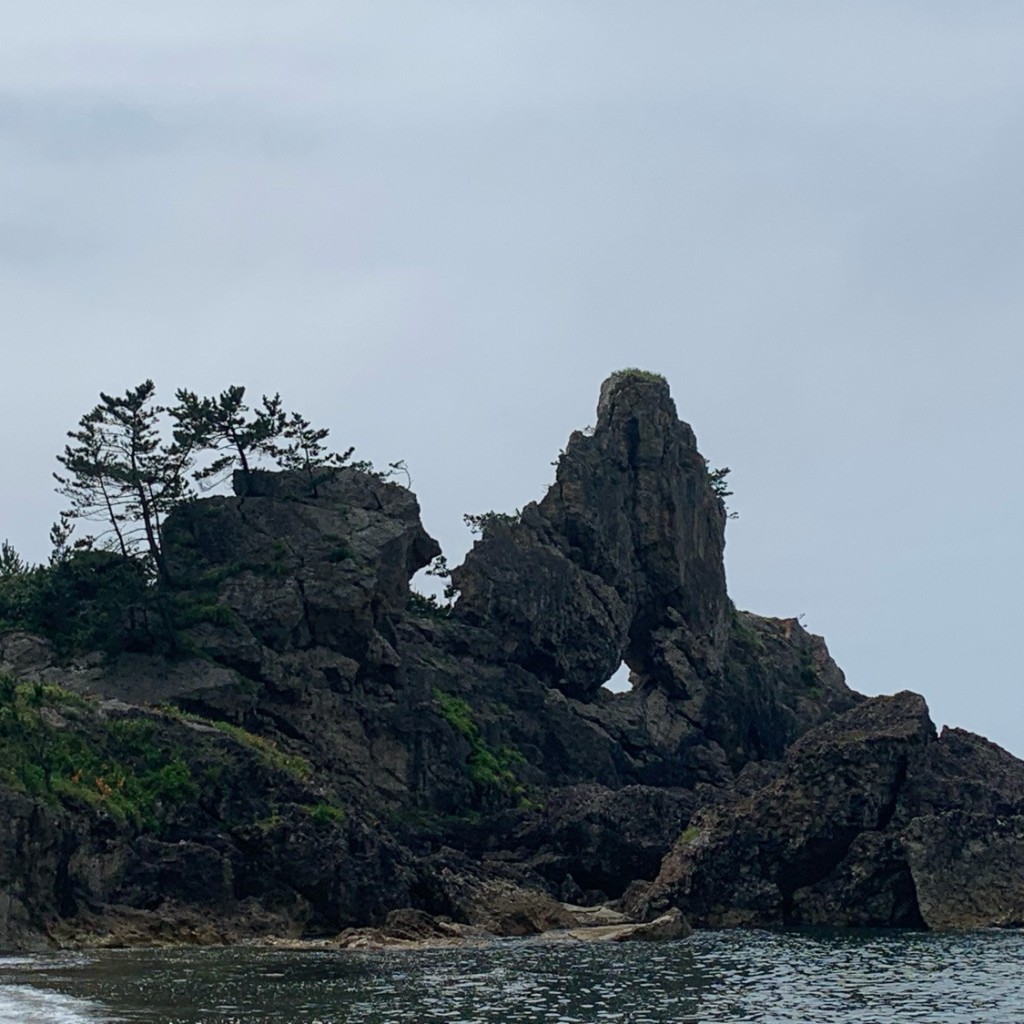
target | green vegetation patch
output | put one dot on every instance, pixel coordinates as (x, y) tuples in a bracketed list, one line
[(324, 814), (192, 610), (53, 747), (488, 768), (690, 834), (634, 373), (808, 673), (291, 764), (744, 633)]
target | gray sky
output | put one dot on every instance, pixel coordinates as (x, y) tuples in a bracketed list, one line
[(436, 227)]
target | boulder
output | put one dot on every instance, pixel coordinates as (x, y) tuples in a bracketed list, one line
[(300, 569), (745, 862), (503, 907), (592, 838), (669, 926), (968, 869)]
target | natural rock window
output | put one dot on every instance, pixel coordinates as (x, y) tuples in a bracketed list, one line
[(619, 682)]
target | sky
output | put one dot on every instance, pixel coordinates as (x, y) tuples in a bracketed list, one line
[(435, 228)]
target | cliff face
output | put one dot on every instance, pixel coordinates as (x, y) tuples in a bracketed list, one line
[(620, 560), (342, 751), (871, 820)]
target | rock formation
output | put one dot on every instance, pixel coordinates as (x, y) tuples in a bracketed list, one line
[(872, 821), (322, 749)]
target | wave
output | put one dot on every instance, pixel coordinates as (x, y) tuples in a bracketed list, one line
[(22, 1004)]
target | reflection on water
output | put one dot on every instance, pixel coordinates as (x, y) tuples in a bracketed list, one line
[(769, 977)]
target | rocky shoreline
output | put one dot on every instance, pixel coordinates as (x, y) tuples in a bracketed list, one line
[(401, 930), (333, 753)]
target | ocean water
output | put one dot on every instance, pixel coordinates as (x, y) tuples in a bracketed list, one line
[(739, 976)]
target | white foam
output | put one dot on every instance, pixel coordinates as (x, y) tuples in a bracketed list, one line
[(22, 1004)]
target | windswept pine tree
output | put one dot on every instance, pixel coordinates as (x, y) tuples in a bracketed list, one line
[(304, 450), (119, 473), (225, 426)]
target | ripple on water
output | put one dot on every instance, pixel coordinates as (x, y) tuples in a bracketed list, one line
[(767, 977)]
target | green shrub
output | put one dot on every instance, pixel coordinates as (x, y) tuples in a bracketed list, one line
[(690, 834), (124, 765), (323, 815), (479, 524), (426, 604), (101, 601), (291, 764), (193, 609), (634, 373), (486, 767), (91, 600)]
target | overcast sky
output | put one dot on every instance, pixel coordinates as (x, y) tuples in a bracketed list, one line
[(436, 227)]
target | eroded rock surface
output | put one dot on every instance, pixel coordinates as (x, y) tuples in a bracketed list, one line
[(629, 540), (858, 830), (335, 752)]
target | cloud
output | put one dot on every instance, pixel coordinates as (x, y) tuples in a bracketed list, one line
[(436, 227)]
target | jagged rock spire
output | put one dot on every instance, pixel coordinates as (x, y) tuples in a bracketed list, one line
[(627, 542)]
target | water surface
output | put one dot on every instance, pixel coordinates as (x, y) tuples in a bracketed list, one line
[(769, 977)]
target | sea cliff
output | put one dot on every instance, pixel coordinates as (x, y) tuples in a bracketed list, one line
[(323, 748)]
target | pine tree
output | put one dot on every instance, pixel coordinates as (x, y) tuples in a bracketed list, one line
[(121, 474), (12, 565), (226, 426), (305, 451)]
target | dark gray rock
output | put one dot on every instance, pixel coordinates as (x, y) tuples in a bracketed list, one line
[(630, 530), (871, 886), (468, 762), (591, 839), (779, 681), (302, 571), (412, 925), (622, 559), (968, 869), (34, 843), (963, 771), (745, 862)]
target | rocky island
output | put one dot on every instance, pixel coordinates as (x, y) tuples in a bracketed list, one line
[(325, 750)]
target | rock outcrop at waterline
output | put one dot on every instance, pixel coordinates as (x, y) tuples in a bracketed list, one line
[(324, 749), (872, 820)]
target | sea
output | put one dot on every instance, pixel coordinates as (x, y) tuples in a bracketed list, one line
[(810, 977)]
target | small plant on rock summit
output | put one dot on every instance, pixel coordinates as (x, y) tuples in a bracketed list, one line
[(478, 524), (720, 486)]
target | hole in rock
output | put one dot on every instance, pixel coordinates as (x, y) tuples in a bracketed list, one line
[(426, 587), (619, 682)]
